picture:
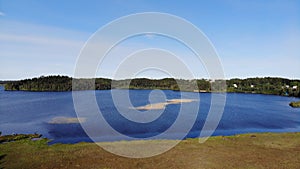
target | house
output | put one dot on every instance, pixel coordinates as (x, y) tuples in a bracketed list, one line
[(295, 87), (235, 85), (251, 86)]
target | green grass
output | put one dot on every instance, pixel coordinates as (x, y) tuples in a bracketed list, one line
[(266, 150), (15, 137)]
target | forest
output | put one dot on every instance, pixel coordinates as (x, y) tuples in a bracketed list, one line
[(266, 85)]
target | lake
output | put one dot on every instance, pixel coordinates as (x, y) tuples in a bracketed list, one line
[(30, 112)]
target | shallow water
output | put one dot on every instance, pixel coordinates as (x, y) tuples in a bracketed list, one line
[(29, 112)]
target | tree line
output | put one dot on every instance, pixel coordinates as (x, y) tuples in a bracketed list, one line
[(266, 85)]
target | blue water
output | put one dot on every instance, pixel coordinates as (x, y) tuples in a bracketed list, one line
[(30, 112)]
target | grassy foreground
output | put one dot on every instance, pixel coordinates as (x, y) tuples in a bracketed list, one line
[(267, 150)]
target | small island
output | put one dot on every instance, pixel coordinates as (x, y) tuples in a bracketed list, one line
[(295, 104)]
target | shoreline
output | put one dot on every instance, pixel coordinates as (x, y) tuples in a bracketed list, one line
[(37, 137), (261, 85), (254, 134), (227, 92)]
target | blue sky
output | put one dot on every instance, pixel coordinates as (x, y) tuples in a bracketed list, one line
[(252, 38)]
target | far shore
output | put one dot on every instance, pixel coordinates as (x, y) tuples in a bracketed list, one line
[(279, 86)]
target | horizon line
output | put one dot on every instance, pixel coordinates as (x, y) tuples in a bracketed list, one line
[(151, 78)]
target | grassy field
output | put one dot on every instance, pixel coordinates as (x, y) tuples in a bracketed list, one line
[(241, 151)]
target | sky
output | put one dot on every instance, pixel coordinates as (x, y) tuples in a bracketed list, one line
[(252, 38)]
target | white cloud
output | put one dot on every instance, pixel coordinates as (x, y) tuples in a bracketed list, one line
[(38, 40), (149, 35), (29, 50)]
